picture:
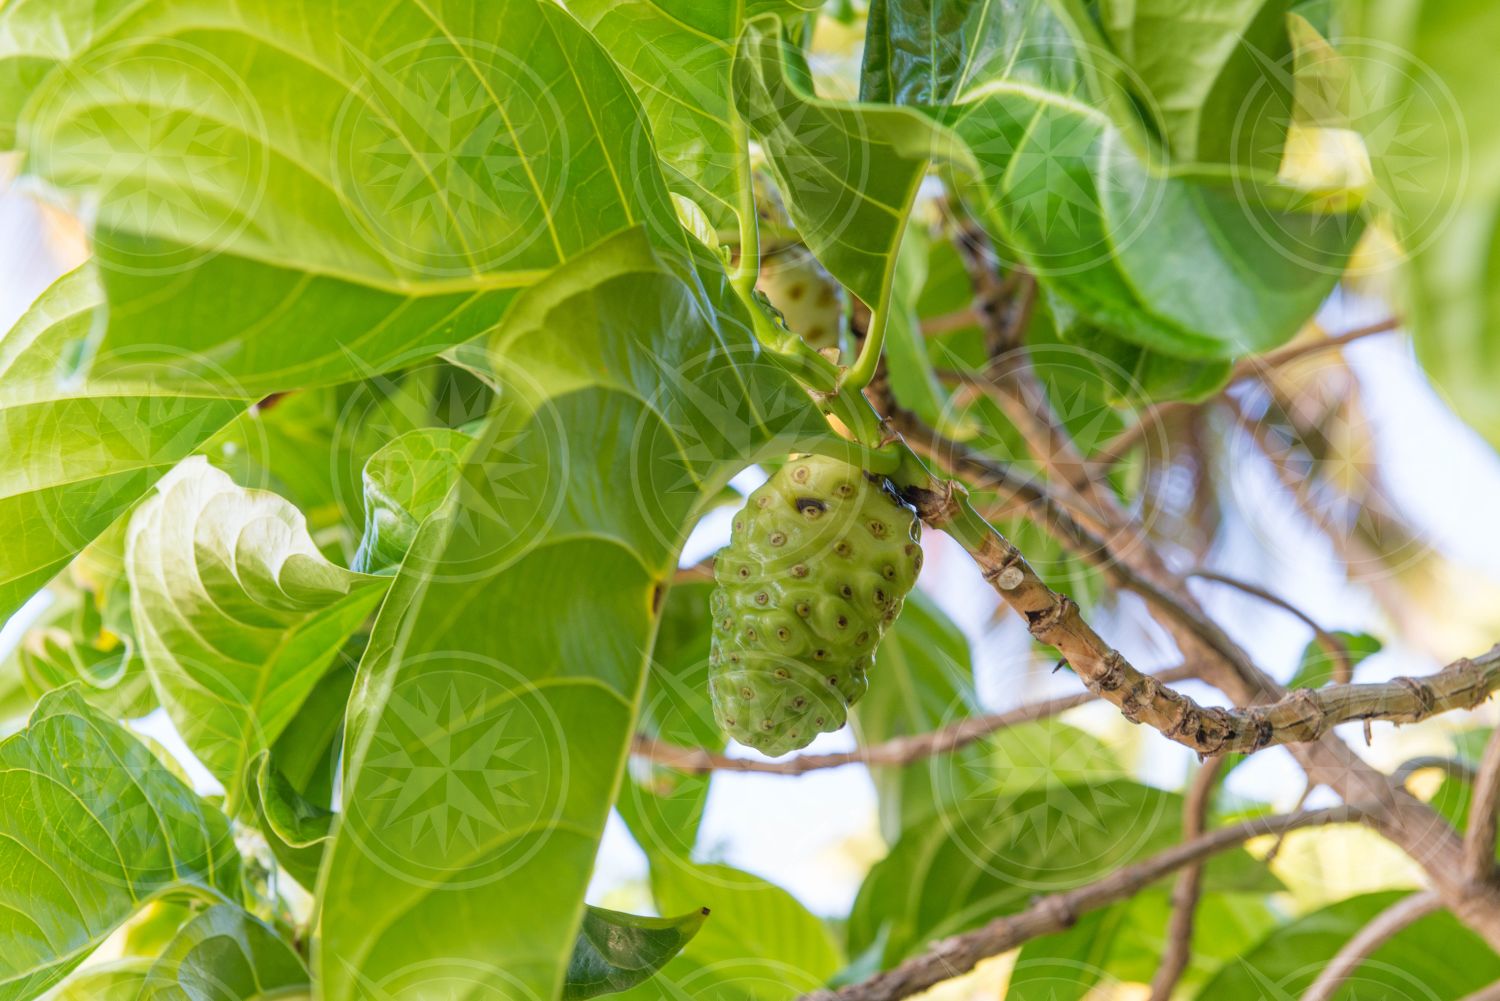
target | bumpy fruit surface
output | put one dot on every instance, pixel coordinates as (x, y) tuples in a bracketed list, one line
[(806, 295), (819, 563)]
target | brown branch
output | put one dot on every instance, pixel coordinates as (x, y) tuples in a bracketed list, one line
[(953, 956), (949, 322), (1303, 715), (1385, 925), (1174, 958), (1256, 365), (1343, 671), (897, 751), (1479, 841)]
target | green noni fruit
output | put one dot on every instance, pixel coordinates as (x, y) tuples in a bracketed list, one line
[(819, 563), (809, 300)]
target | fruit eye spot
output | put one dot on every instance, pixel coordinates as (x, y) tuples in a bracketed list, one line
[(811, 507), (766, 724), (744, 573), (762, 597), (818, 721), (879, 596), (727, 622), (846, 591), (803, 609), (783, 673), (820, 654), (783, 635), (778, 538), (734, 658), (843, 549), (862, 639), (888, 571), (844, 489), (799, 702), (762, 502), (877, 529), (747, 694), (800, 570), (750, 635), (729, 721), (799, 473), (841, 622), (739, 525)]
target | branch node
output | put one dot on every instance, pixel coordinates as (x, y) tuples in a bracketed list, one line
[(1426, 701), (1113, 675), (1043, 621)]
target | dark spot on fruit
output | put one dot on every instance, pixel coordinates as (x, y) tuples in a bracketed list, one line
[(811, 507), (729, 721), (744, 573), (800, 570), (820, 654), (877, 529), (783, 634), (749, 635), (846, 591), (833, 679), (734, 658), (844, 549), (767, 725), (844, 489), (879, 596), (727, 622), (804, 609), (763, 502), (799, 702), (778, 538), (739, 525), (818, 721), (657, 593), (761, 597), (799, 474), (862, 639), (888, 572), (782, 673), (795, 292), (841, 622)]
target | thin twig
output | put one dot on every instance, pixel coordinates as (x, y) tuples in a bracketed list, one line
[(953, 956), (1388, 923), (1255, 365), (1179, 948), (897, 751), (1479, 841), (949, 322), (1343, 666)]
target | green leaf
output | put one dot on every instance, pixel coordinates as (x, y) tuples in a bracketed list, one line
[(848, 173), (617, 951), (664, 807), (1031, 835), (75, 455), (223, 954), (497, 698), (1216, 78), (677, 57), (295, 827), (926, 682), (387, 183), (759, 944), (237, 612), (937, 52), (1436, 957), (93, 826), (1318, 665), (404, 483), (1425, 101)]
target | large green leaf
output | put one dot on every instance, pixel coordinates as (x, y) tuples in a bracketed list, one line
[(405, 483), (759, 943), (237, 612), (1424, 99), (616, 951), (925, 682), (1066, 192), (490, 724), (1211, 77), (223, 954), (93, 826), (322, 191), (1436, 957), (990, 856), (74, 455)]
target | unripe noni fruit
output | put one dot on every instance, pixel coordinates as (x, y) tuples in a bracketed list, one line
[(810, 302), (818, 565)]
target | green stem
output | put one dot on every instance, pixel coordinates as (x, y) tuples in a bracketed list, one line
[(863, 369), (748, 269)]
